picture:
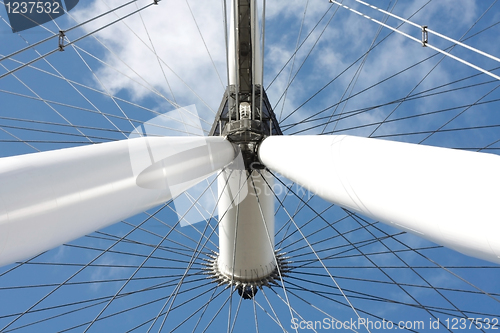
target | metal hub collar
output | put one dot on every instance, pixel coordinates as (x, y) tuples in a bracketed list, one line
[(248, 288)]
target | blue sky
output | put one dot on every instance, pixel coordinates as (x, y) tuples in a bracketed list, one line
[(103, 87)]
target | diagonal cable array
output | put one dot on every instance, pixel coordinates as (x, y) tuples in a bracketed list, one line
[(425, 33), (62, 36)]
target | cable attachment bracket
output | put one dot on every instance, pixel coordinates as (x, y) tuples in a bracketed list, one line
[(61, 40), (425, 36)]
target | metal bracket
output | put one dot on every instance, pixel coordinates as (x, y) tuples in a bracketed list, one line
[(425, 36), (61, 40)]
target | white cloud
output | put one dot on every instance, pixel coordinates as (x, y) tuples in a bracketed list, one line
[(177, 42)]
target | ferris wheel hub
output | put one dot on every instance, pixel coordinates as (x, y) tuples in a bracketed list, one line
[(246, 287)]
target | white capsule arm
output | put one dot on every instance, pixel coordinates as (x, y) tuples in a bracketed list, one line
[(49, 198), (448, 196)]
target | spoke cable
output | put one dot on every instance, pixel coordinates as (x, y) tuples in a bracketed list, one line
[(72, 42), (426, 44)]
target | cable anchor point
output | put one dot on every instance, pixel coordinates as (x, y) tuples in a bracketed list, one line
[(425, 36), (61, 40)]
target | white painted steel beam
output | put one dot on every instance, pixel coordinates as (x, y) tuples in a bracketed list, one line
[(246, 226), (234, 48), (448, 196), (49, 198)]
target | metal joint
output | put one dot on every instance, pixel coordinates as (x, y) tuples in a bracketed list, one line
[(61, 40), (425, 36)]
